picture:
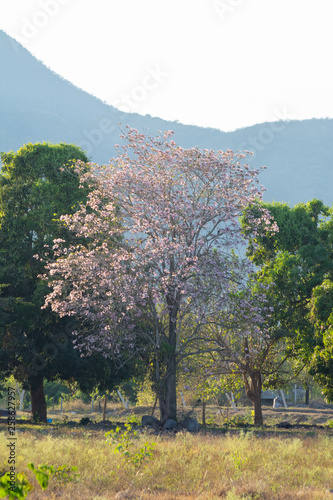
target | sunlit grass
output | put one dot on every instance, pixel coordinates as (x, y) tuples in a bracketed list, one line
[(184, 466)]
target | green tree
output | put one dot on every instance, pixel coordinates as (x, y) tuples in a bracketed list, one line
[(298, 260), (321, 316), (35, 191)]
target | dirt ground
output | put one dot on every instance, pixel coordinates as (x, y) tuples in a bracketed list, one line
[(312, 416), (302, 415)]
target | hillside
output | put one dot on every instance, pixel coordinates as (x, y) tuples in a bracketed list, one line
[(38, 105)]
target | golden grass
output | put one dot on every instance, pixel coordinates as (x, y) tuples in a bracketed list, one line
[(184, 466)]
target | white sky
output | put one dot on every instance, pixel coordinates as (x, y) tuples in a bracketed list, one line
[(219, 63)]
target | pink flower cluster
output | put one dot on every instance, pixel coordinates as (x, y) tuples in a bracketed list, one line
[(158, 220)]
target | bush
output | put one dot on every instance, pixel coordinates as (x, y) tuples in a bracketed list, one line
[(145, 395)]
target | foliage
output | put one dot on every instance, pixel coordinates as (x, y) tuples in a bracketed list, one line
[(19, 491), (159, 219), (34, 191), (239, 461), (43, 473), (55, 389), (321, 316), (239, 420), (277, 467), (124, 445), (62, 474), (145, 395), (196, 379), (133, 419), (298, 260), (242, 337), (38, 183)]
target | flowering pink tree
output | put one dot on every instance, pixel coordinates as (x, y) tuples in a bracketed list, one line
[(158, 219)]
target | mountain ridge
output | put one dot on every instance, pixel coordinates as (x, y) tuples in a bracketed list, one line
[(36, 105)]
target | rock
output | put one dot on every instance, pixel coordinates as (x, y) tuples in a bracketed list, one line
[(71, 423), (150, 420), (170, 424), (284, 425), (85, 421), (191, 424)]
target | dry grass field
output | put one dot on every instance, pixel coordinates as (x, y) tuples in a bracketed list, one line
[(224, 460)]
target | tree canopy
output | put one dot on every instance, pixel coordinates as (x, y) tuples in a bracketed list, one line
[(298, 260), (160, 219), (37, 184)]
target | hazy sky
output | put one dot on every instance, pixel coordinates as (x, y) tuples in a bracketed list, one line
[(219, 63)]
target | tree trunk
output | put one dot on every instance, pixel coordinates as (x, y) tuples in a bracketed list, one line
[(168, 384), (253, 393), (104, 407), (258, 418), (167, 393), (155, 403), (38, 403), (203, 412)]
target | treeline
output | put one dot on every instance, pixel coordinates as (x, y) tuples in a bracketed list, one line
[(112, 272)]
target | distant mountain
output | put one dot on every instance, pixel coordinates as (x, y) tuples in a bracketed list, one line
[(38, 105)]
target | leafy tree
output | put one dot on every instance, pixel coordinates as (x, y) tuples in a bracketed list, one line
[(159, 217), (298, 260), (34, 191), (321, 316)]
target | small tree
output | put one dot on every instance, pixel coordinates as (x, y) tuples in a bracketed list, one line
[(159, 217), (196, 378), (246, 341)]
